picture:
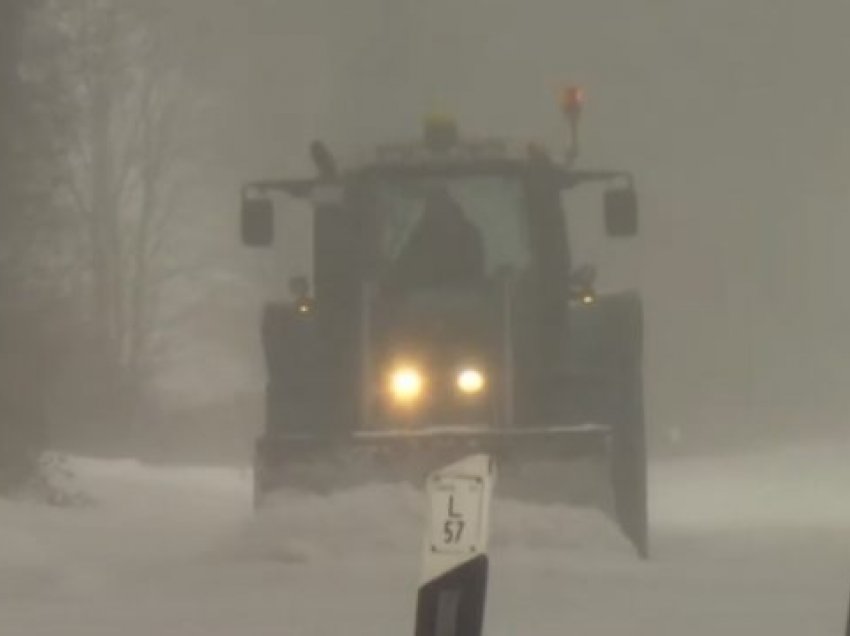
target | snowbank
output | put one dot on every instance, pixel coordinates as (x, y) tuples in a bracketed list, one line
[(796, 487), (752, 545)]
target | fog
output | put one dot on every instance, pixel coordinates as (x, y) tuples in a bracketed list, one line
[(133, 377), (732, 116)]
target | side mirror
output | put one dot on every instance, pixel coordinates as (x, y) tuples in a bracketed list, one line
[(257, 221), (621, 212)]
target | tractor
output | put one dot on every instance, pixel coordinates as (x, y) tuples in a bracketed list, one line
[(445, 317)]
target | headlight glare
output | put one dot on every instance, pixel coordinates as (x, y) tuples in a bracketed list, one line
[(471, 381), (406, 384)]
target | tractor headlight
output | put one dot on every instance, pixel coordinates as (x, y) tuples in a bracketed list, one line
[(470, 381), (406, 384)]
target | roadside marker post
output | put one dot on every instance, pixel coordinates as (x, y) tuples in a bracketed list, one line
[(455, 564)]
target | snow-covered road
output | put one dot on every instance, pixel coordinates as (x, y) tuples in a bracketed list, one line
[(756, 545)]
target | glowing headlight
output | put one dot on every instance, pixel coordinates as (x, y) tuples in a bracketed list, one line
[(470, 381), (406, 384)]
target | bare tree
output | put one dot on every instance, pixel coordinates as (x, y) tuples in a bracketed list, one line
[(128, 167), (26, 167)]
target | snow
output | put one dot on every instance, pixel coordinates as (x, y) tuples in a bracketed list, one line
[(756, 544)]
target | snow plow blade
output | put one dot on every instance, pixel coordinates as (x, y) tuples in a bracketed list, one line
[(568, 464)]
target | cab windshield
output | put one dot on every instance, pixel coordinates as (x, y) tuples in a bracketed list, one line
[(492, 209)]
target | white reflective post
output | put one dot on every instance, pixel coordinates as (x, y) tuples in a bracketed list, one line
[(455, 564)]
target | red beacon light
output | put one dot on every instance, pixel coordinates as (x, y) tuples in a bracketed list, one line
[(572, 101)]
